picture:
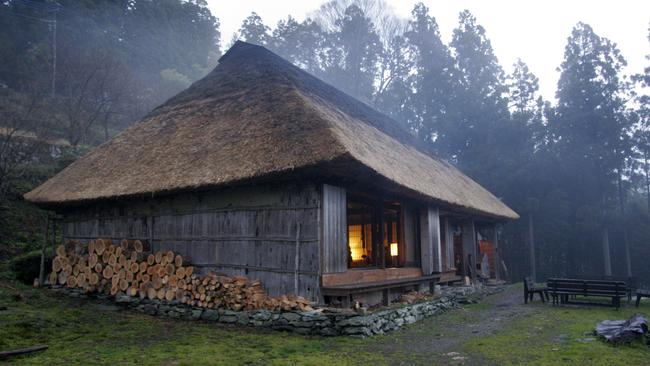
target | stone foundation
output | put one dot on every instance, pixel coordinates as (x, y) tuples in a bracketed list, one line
[(324, 322)]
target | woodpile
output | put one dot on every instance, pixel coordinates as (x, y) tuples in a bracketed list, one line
[(411, 297), (129, 268)]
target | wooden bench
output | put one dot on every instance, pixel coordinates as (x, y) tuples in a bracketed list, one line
[(345, 291), (530, 289), (630, 281), (641, 293), (561, 288)]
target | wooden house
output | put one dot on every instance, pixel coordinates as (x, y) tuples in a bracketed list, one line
[(262, 170)]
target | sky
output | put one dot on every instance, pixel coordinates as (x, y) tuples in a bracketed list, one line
[(536, 31)]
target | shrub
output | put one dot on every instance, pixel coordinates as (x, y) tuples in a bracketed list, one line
[(27, 266)]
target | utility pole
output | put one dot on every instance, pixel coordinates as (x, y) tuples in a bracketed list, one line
[(52, 24)]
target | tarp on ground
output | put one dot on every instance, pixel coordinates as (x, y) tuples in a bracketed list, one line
[(623, 331)]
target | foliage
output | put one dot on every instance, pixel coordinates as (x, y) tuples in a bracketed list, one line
[(115, 61), (557, 335), (90, 332), (577, 170), (26, 267)]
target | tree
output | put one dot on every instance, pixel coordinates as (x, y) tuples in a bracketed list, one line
[(92, 88), (253, 30), (519, 151), (642, 135), (480, 106), (433, 77), (353, 66), (301, 43), (591, 129), (22, 135)]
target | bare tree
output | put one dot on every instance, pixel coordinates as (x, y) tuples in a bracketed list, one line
[(23, 132), (92, 90)]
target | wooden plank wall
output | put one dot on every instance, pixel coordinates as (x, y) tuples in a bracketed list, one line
[(430, 240), (335, 229), (449, 241), (270, 233), (469, 247), (410, 236)]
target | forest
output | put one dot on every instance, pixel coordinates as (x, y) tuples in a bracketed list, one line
[(75, 73)]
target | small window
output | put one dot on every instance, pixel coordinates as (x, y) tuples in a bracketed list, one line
[(392, 234), (360, 226), (374, 233)]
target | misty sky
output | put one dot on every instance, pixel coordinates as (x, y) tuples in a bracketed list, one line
[(535, 31)]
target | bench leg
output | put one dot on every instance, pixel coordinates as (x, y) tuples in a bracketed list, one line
[(638, 300), (541, 296), (525, 297)]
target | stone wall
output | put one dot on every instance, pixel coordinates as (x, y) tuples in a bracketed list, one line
[(325, 322)]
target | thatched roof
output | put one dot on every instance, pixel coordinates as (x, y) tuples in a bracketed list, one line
[(253, 116)]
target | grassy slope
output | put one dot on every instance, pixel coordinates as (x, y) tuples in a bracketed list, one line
[(89, 333), (561, 336)]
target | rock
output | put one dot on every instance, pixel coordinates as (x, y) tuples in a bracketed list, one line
[(262, 315), (122, 299), (328, 332), (228, 319), (291, 316), (196, 313), (355, 321), (210, 315), (362, 331), (242, 318), (302, 324)]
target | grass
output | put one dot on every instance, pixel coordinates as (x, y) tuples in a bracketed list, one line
[(87, 332), (560, 335)]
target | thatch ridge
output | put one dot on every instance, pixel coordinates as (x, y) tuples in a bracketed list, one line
[(256, 114)]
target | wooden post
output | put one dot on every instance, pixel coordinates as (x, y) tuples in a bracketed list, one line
[(297, 260), (449, 241), (430, 240), (426, 244), (334, 234), (380, 237), (41, 272), (469, 249), (497, 253), (53, 239)]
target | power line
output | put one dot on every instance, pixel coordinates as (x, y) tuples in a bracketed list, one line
[(13, 13), (52, 27), (37, 5)]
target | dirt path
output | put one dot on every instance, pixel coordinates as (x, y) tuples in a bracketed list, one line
[(439, 339)]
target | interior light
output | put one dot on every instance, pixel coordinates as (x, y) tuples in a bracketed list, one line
[(393, 249)]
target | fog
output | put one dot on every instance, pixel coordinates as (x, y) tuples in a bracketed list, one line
[(562, 136)]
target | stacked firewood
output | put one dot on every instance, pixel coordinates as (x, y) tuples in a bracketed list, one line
[(128, 268), (411, 297)]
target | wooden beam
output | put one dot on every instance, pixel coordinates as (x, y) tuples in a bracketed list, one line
[(334, 229), (497, 252), (430, 240), (469, 249), (23, 351)]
